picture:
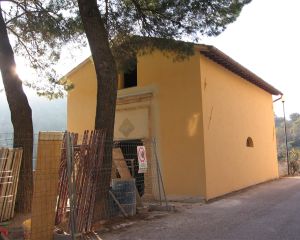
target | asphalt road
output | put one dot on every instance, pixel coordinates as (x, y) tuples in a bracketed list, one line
[(268, 211)]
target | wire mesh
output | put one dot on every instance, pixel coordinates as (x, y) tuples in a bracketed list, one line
[(100, 180)]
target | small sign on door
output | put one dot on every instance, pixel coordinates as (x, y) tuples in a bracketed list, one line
[(142, 158)]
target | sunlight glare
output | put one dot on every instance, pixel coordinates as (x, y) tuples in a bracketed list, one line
[(21, 72), (193, 124)]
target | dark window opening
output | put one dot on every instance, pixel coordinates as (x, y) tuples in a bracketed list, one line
[(250, 142), (130, 78)]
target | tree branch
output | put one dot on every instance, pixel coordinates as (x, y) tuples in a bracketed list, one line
[(16, 3), (31, 58), (20, 15), (143, 17), (163, 16), (106, 13)]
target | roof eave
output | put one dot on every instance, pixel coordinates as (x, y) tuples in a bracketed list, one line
[(221, 58), (75, 69)]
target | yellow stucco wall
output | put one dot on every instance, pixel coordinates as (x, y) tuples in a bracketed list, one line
[(201, 115), (176, 116), (81, 107), (233, 110), (81, 104), (180, 136)]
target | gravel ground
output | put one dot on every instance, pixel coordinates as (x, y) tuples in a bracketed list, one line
[(268, 211)]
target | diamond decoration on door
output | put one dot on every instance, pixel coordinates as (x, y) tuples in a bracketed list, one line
[(126, 127)]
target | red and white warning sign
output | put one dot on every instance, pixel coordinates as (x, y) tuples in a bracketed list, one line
[(142, 158)]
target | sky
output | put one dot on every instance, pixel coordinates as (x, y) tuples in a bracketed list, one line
[(265, 39)]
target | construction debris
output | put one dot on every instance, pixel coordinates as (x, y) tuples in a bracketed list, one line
[(118, 204), (88, 158), (91, 236), (120, 163), (10, 162)]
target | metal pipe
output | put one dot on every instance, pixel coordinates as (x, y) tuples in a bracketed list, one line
[(286, 139), (70, 163), (157, 172), (281, 96), (160, 180)]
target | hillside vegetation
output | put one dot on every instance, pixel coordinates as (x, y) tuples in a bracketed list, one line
[(293, 136)]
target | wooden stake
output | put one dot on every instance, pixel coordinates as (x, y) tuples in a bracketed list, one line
[(3, 160), (118, 203), (8, 211), (6, 181)]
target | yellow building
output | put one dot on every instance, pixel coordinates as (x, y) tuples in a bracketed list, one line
[(212, 118)]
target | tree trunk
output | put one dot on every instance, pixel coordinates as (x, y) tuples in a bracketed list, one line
[(106, 72), (21, 118)]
